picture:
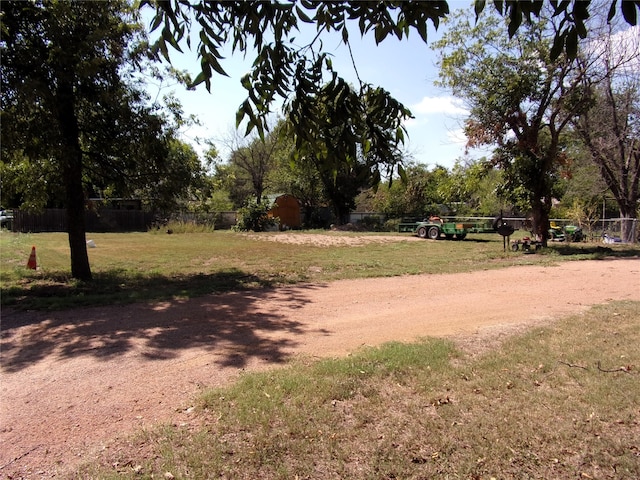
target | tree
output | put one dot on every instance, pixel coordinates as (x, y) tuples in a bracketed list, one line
[(610, 129), (176, 186), (520, 100), (416, 195), (353, 155), (470, 188), (48, 55), (72, 111), (253, 158)]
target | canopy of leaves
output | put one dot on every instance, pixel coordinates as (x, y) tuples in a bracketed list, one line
[(127, 143)]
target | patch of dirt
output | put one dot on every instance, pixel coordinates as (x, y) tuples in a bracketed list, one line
[(72, 383), (329, 240)]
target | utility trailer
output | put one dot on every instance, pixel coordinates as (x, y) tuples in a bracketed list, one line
[(435, 227)]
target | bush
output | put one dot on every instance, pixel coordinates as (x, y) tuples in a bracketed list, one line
[(254, 217), (371, 223), (185, 223), (182, 226), (392, 225)]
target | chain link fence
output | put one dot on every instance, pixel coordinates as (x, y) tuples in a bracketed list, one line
[(609, 230)]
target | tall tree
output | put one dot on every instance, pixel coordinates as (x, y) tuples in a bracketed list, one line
[(610, 129), (349, 156), (415, 195), (70, 105), (520, 99), (253, 158)]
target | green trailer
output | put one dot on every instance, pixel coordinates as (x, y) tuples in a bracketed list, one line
[(435, 228)]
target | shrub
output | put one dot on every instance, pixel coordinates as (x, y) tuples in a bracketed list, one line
[(392, 224), (371, 223), (254, 217)]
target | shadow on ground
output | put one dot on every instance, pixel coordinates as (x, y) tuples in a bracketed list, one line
[(236, 326), (57, 290), (596, 251)]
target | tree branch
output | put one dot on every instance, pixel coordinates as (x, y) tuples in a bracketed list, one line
[(626, 369), (572, 365)]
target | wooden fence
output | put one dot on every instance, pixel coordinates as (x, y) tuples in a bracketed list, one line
[(55, 220), (111, 220)]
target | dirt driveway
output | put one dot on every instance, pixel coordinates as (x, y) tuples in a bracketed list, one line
[(73, 382)]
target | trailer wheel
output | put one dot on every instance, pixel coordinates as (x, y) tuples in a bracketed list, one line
[(422, 232), (461, 236), (433, 233)]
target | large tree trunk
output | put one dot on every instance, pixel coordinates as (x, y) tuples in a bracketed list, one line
[(342, 214), (80, 268), (540, 221), (540, 198), (71, 162)]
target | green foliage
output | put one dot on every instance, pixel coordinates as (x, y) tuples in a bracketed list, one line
[(371, 223), (418, 194), (474, 188), (218, 201), (183, 226), (348, 156), (281, 67), (255, 217), (27, 182), (178, 182)]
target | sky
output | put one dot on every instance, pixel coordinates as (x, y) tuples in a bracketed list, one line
[(407, 69)]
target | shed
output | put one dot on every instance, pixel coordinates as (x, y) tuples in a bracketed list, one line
[(287, 208)]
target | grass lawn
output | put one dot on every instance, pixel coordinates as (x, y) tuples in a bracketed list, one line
[(557, 402), (129, 267)]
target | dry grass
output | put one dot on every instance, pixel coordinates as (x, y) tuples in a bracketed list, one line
[(561, 401)]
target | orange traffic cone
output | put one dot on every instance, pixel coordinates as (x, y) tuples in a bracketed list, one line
[(32, 264)]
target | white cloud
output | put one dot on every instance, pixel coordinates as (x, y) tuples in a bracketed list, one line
[(413, 122), (439, 105)]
